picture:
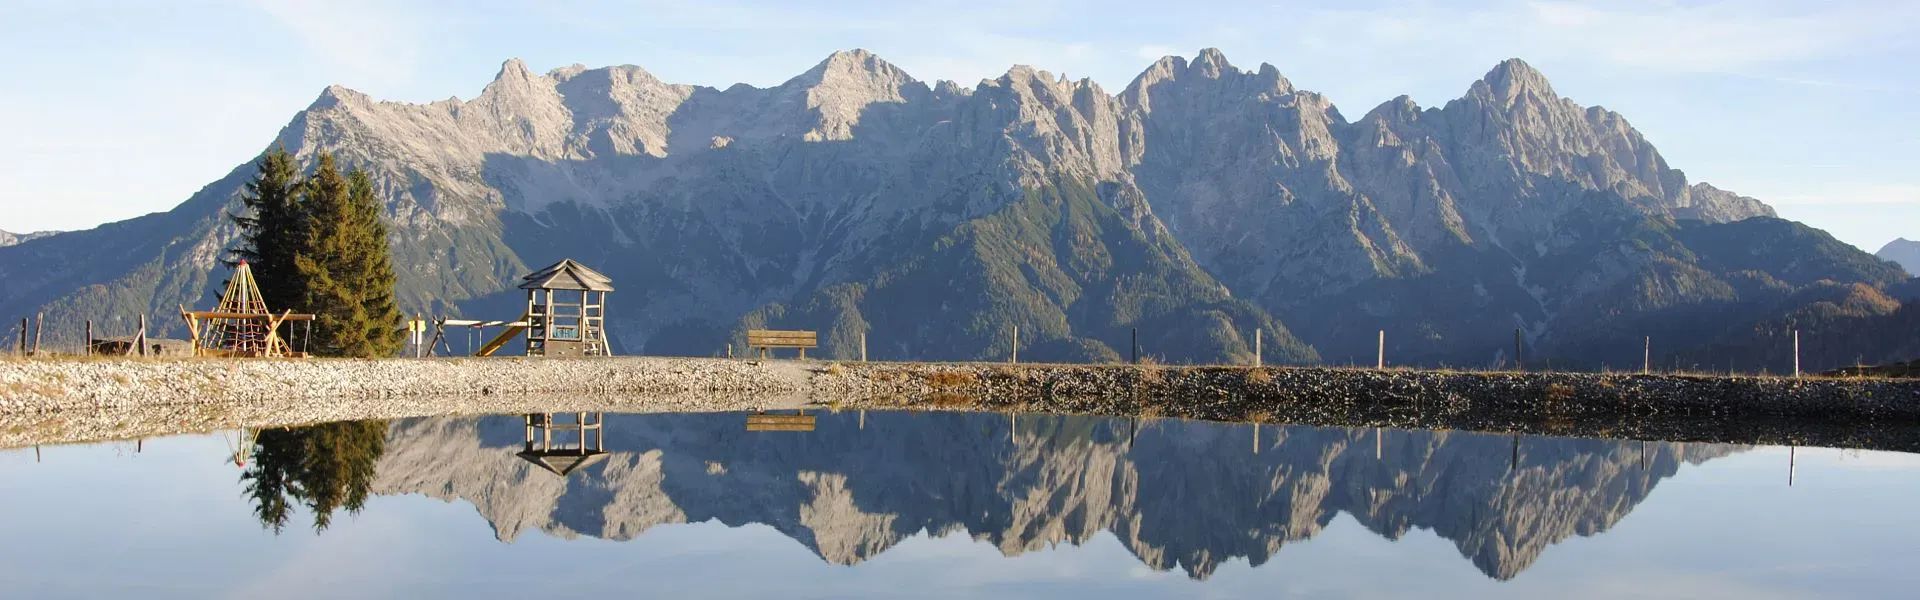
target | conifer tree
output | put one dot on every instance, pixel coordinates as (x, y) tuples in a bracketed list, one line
[(273, 228), (339, 319), (371, 272)]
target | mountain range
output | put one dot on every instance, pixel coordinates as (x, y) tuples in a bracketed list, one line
[(862, 483), (1197, 205)]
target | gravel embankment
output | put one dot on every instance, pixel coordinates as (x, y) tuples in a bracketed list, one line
[(49, 385), (79, 400)]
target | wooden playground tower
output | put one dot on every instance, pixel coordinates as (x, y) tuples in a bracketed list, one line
[(566, 314), (242, 326)]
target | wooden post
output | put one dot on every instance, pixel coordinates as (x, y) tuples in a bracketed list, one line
[(1646, 364), (1380, 362), (1136, 345), (1256, 348), (1519, 351), (88, 348), (863, 346), (39, 324), (1015, 357), (1796, 351), (141, 338)]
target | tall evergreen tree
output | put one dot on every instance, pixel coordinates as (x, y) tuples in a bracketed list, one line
[(347, 270), (273, 228), (323, 196), (372, 271)]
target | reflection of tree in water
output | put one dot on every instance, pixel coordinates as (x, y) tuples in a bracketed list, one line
[(325, 467)]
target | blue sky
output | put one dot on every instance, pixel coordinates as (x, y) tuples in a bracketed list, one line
[(112, 109)]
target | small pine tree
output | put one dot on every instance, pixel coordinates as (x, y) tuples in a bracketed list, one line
[(273, 228)]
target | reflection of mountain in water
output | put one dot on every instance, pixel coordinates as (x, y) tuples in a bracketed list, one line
[(1186, 494)]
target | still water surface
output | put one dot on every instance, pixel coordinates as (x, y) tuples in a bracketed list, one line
[(948, 505)]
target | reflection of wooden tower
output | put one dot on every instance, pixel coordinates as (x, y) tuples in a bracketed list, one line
[(562, 460), (241, 326), (566, 310)]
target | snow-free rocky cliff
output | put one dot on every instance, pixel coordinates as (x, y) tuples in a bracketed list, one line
[(8, 238), (1201, 202)]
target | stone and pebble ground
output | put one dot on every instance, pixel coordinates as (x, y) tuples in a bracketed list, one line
[(53, 401)]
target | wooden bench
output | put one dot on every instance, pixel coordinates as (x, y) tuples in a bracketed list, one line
[(768, 339)]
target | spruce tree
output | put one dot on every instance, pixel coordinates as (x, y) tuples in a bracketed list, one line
[(337, 323), (347, 270), (273, 229), (371, 272)]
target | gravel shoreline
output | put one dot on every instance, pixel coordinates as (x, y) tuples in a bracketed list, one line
[(63, 401)]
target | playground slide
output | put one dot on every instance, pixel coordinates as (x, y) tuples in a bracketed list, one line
[(501, 340)]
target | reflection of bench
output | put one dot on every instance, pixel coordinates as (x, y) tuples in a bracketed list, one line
[(766, 422), (768, 339)]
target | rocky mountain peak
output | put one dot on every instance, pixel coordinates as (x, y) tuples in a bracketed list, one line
[(338, 95), (1401, 109), (842, 86), (1513, 78), (851, 66), (1209, 70), (515, 78), (1271, 78), (1211, 62)]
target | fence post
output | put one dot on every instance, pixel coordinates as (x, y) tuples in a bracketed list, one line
[(1796, 352), (1015, 357), (1380, 362), (143, 334), (39, 324), (863, 358), (1257, 358), (1646, 364), (1136, 345), (1519, 350), (87, 344)]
